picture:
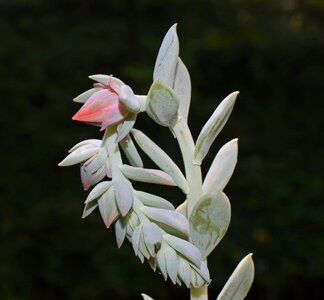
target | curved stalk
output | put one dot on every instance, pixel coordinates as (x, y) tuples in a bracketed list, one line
[(194, 178)]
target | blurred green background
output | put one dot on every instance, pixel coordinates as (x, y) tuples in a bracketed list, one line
[(271, 51)]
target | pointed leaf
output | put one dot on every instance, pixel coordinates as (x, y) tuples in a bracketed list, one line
[(170, 221), (184, 271), (145, 297), (182, 87), (147, 175), (239, 284), (136, 238), (182, 208), (171, 262), (166, 61), (124, 128), (89, 142), (89, 208), (131, 152), (108, 208), (120, 231), (161, 262), (161, 159), (124, 196), (185, 248), (222, 168), (153, 200), (162, 104), (98, 190), (213, 127), (209, 221), (151, 233), (79, 155)]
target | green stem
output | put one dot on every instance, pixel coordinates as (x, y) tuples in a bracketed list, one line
[(113, 150), (193, 175)]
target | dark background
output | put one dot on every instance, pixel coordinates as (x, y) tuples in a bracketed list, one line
[(271, 51)]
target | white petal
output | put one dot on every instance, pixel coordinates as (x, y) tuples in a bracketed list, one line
[(124, 196), (79, 155), (108, 208), (131, 153), (82, 98), (98, 190), (153, 200)]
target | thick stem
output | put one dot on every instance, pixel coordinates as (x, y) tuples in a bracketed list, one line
[(113, 150), (193, 175)]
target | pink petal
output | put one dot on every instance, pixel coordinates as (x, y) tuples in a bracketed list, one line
[(113, 115), (94, 109)]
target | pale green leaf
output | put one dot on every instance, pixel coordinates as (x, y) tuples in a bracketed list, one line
[(213, 127), (120, 231), (182, 87), (162, 104), (171, 221), (186, 249), (89, 142), (152, 200), (89, 208), (98, 190), (166, 62), (108, 207), (222, 168), (161, 159), (147, 175), (239, 284), (145, 297), (124, 195), (171, 262), (131, 152), (79, 155), (209, 221), (125, 127)]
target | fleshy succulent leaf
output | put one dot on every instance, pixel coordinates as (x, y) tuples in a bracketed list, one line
[(147, 175), (154, 201), (108, 207), (98, 190), (222, 168), (124, 196), (239, 284), (166, 62), (182, 87), (213, 127), (79, 155), (162, 104), (209, 221), (185, 248), (171, 221), (131, 152), (161, 159)]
